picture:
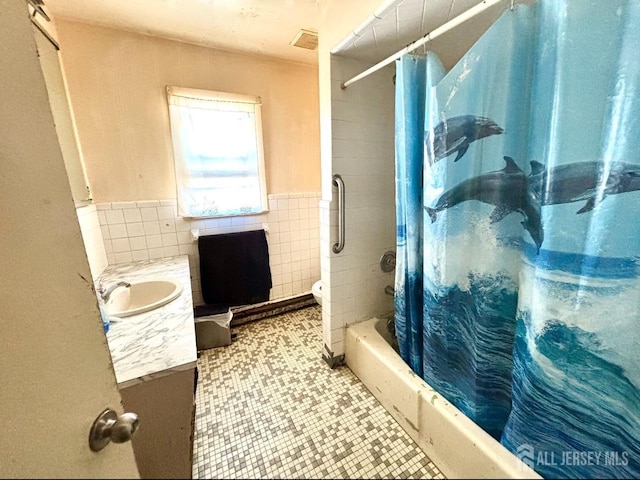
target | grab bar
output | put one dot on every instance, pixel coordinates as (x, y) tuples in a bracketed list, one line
[(337, 181)]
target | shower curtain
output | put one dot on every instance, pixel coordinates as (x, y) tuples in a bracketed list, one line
[(410, 125), (517, 279)]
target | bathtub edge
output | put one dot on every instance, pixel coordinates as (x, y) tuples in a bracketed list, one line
[(451, 440)]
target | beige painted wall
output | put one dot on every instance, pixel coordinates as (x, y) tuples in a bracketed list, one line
[(117, 84)]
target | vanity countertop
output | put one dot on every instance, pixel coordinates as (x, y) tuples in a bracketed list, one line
[(158, 342)]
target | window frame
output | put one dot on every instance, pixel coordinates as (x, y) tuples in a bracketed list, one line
[(198, 98)]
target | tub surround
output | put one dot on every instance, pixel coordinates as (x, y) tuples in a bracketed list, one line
[(155, 343), (361, 150), (459, 447)]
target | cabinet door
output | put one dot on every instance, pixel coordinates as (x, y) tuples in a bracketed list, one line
[(165, 405)]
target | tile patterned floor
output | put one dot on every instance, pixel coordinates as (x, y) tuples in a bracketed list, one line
[(268, 406)]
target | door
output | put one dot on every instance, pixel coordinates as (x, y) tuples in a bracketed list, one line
[(56, 374)]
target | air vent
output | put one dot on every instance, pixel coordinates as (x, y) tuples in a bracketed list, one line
[(305, 39)]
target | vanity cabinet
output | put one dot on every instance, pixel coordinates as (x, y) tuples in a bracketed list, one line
[(163, 444), (154, 357)]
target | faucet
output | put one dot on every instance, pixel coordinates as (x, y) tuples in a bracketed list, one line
[(105, 293)]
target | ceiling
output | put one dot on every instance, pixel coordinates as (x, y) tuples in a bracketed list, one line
[(261, 27), (266, 27), (387, 32)]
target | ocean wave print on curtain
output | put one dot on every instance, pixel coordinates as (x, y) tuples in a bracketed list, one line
[(475, 207), (411, 70), (576, 379), (531, 179)]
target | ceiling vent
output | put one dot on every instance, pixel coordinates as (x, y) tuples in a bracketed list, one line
[(305, 39)]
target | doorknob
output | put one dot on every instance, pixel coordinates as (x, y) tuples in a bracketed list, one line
[(109, 427)]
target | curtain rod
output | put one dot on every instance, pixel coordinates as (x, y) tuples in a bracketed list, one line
[(454, 22)]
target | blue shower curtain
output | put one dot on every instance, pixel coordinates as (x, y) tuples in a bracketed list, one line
[(518, 180), (410, 124)]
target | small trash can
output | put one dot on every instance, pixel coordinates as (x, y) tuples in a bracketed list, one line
[(213, 330)]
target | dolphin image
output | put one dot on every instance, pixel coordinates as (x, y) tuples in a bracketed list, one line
[(590, 182), (456, 134), (507, 189)]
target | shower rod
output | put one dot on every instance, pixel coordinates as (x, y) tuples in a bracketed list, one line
[(454, 22)]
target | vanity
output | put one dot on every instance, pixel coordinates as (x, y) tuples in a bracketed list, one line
[(154, 357)]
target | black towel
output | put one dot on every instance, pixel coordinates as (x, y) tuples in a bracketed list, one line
[(234, 268)]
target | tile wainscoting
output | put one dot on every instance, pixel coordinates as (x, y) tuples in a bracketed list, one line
[(148, 229)]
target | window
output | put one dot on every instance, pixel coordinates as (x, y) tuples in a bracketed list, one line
[(217, 148)]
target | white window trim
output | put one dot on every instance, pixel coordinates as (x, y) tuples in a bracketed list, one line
[(197, 98)]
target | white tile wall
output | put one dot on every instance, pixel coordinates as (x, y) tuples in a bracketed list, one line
[(92, 237), (152, 229), (362, 137)]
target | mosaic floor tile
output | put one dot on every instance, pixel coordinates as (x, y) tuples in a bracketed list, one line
[(268, 406)]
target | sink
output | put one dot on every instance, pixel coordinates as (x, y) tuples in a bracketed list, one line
[(142, 296)]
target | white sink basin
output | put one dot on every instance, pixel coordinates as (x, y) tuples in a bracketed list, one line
[(142, 296)]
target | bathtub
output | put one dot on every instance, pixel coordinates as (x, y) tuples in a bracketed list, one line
[(452, 441)]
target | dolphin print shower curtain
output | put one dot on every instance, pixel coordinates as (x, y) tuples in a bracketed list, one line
[(410, 125), (518, 208)]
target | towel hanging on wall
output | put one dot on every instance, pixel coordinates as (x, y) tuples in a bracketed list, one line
[(234, 268)]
